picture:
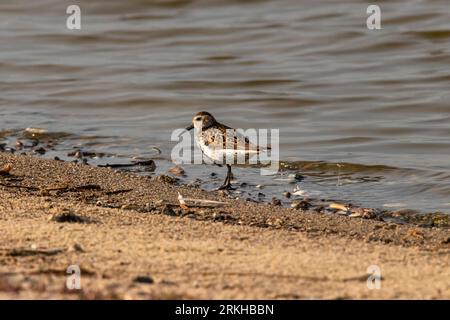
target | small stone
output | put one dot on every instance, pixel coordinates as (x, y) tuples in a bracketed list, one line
[(276, 202), (68, 216), (166, 179), (296, 177), (287, 194), (300, 205), (143, 279), (40, 150), (167, 210), (260, 186), (5, 171), (177, 170)]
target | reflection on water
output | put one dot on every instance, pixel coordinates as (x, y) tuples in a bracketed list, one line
[(363, 115)]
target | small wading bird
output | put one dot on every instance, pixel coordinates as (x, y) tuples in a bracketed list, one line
[(218, 141)]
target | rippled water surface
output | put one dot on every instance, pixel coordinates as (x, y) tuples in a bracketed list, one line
[(375, 102)]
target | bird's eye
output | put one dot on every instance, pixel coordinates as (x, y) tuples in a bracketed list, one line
[(198, 119)]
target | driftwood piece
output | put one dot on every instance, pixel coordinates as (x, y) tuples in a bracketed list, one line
[(185, 203)]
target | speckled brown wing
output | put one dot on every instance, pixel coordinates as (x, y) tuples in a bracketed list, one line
[(240, 142)]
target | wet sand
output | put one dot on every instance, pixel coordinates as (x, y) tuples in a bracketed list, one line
[(132, 240)]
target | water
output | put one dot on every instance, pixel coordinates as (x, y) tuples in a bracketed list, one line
[(375, 102)]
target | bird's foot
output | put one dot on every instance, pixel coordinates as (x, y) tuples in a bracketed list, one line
[(227, 186)]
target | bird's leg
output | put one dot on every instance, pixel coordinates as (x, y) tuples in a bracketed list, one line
[(227, 183)]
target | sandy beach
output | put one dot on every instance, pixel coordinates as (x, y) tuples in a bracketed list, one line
[(132, 240)]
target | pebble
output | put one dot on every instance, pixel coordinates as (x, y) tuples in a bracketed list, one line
[(296, 177), (177, 170), (287, 194), (302, 205), (68, 216), (6, 169), (167, 210), (276, 202), (144, 279), (40, 150), (166, 179), (260, 186)]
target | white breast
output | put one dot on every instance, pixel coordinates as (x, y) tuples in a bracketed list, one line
[(209, 149)]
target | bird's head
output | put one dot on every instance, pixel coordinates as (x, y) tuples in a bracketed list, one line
[(202, 121)]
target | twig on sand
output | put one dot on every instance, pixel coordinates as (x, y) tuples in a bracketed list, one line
[(76, 188), (149, 163), (65, 188), (19, 186), (185, 203), (32, 252)]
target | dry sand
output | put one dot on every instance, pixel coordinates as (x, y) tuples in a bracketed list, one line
[(125, 227)]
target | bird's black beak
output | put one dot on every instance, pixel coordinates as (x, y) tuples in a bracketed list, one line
[(190, 127)]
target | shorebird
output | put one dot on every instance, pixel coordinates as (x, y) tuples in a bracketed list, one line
[(218, 141)]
